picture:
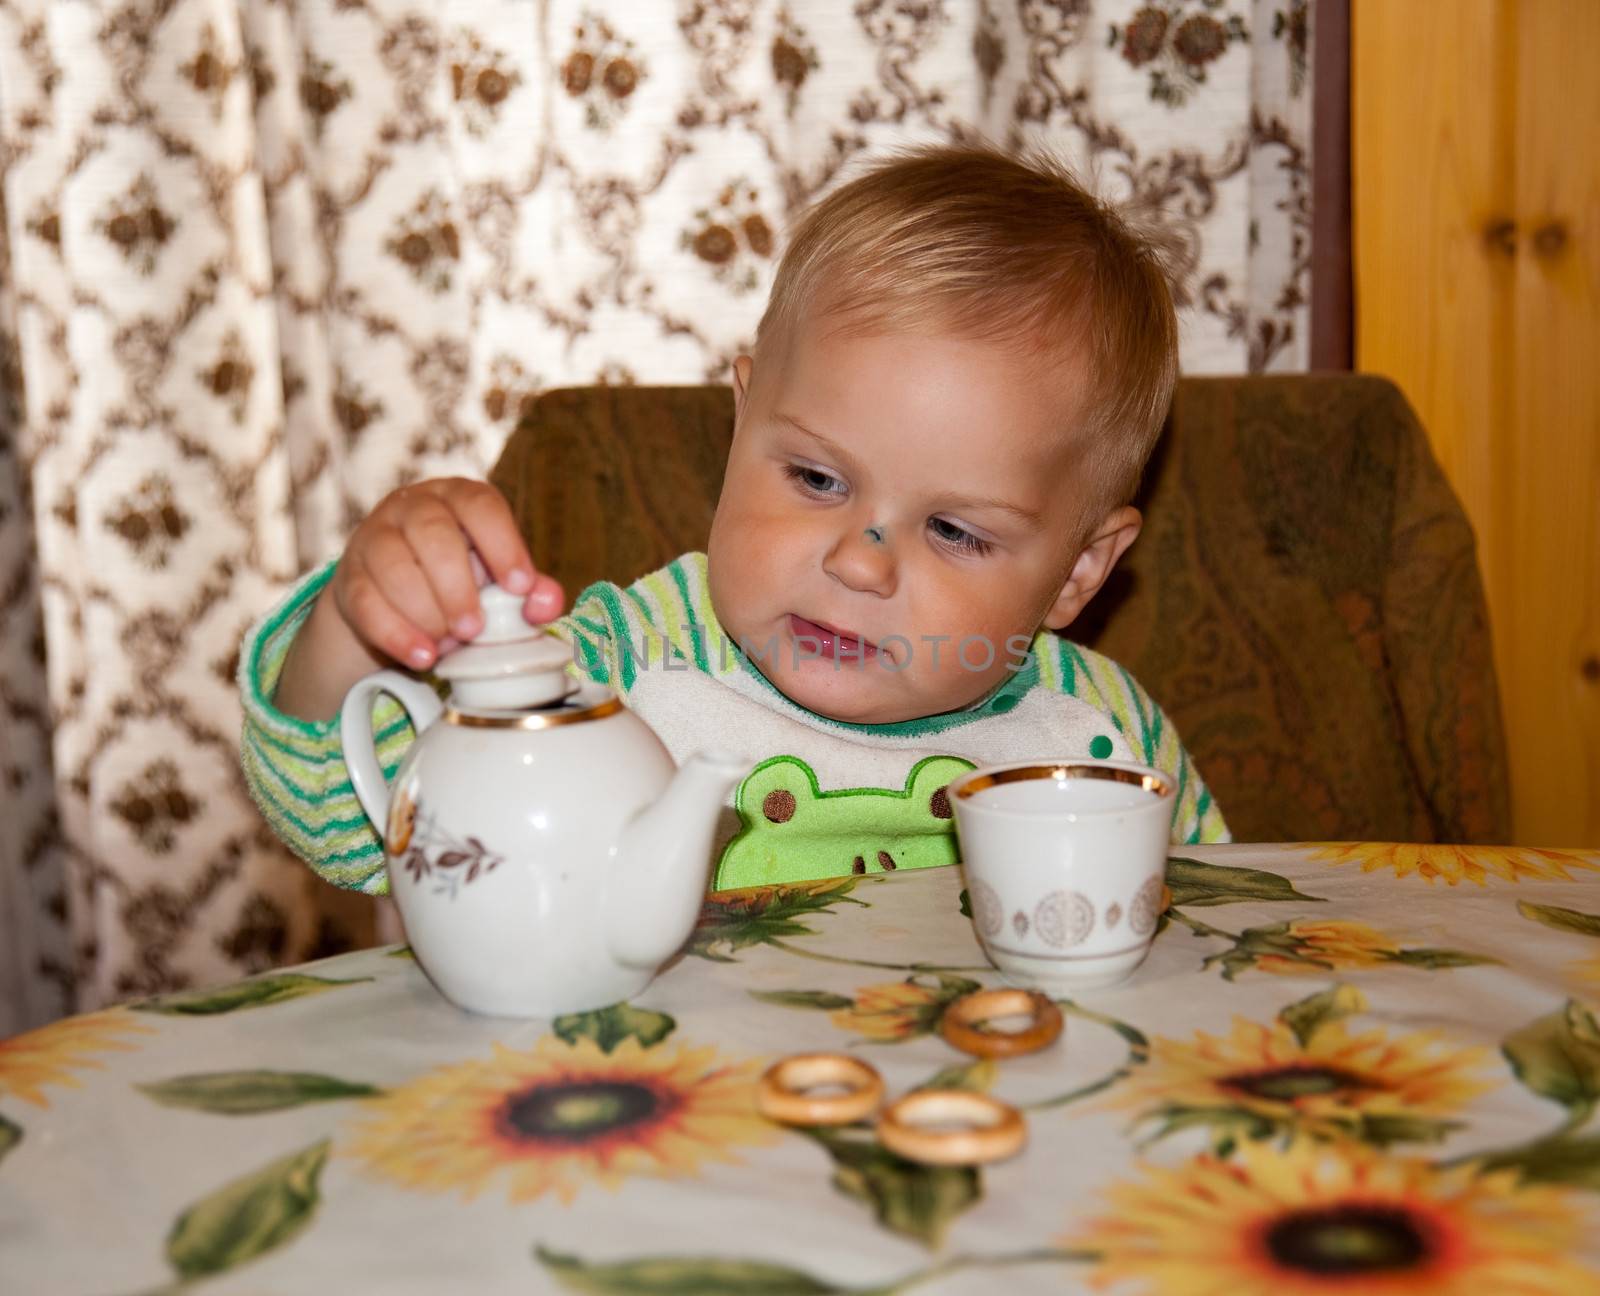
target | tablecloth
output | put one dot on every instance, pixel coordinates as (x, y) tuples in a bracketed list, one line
[(1352, 1068)]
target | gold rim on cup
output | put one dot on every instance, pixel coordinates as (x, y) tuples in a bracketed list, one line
[(961, 1023), (917, 1128), (1156, 784), (783, 1092)]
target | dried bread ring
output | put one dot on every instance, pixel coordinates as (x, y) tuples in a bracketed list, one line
[(783, 1094), (990, 1130), (960, 1023)]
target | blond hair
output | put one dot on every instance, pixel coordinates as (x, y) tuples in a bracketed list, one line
[(1001, 249)]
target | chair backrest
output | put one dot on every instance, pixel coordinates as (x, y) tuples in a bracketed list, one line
[(1304, 603)]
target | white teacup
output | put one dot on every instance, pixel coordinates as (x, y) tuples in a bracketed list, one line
[(1064, 862)]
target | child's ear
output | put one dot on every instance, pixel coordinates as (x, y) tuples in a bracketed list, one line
[(743, 366), (1111, 540)]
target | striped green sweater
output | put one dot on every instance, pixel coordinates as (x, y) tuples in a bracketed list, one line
[(860, 797)]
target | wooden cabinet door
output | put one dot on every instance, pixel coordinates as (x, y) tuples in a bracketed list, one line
[(1551, 590), (1476, 174)]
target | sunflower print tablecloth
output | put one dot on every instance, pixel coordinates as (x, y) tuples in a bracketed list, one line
[(1344, 1068)]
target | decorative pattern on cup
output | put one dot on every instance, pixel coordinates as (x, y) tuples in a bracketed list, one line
[(1146, 908), (986, 908), (1064, 918), (1113, 915), (1019, 924)]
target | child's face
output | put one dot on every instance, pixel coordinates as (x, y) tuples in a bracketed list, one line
[(908, 493)]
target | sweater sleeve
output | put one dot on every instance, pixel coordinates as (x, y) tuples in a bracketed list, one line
[(295, 769), (1147, 729)]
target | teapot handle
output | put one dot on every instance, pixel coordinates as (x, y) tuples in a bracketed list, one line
[(360, 747)]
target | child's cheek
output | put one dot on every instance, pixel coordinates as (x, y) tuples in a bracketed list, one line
[(963, 612)]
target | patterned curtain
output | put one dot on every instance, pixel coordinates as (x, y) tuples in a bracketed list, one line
[(263, 260)]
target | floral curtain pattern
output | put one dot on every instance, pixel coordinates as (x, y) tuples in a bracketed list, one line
[(262, 262)]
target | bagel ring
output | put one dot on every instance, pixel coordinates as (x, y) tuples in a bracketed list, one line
[(782, 1094), (993, 1130), (960, 1023)]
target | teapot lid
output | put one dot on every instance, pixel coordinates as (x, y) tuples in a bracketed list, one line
[(511, 665)]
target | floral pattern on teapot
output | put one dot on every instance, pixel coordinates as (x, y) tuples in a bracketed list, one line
[(450, 864)]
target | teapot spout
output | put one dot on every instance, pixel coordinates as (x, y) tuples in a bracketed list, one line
[(662, 860)]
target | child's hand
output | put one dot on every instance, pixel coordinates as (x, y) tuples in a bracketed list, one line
[(406, 590), (407, 585)]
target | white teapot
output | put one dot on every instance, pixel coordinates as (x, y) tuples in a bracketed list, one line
[(544, 855)]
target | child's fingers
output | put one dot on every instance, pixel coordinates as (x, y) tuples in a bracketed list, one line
[(367, 609), (487, 519), (435, 538), (402, 576), (546, 600)]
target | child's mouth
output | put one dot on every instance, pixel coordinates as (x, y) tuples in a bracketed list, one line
[(832, 643)]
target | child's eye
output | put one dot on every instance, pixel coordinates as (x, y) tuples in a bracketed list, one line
[(814, 479), (958, 538)]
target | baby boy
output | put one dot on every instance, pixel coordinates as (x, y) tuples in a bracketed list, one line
[(963, 367)]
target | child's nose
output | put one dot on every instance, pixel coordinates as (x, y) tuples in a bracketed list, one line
[(863, 562)]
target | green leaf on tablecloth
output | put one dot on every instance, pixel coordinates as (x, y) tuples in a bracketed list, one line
[(951, 986), (1227, 1124), (401, 952), (1384, 1130), (916, 1201), (10, 1136), (1193, 882), (608, 1027), (804, 999), (976, 1077), (734, 920), (1561, 919), (1232, 962), (1230, 1125), (258, 992), (1558, 1057), (242, 1093), (250, 1216), (1434, 959), (1274, 939), (685, 1276), (1308, 1016), (1137, 1041), (1573, 1160)]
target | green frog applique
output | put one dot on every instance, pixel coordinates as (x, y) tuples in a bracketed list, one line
[(792, 831)]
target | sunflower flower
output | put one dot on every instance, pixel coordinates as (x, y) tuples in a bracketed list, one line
[(50, 1055), (1332, 943), (1457, 864), (1335, 1083), (1317, 1219), (558, 1115), (900, 1010), (1305, 945)]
